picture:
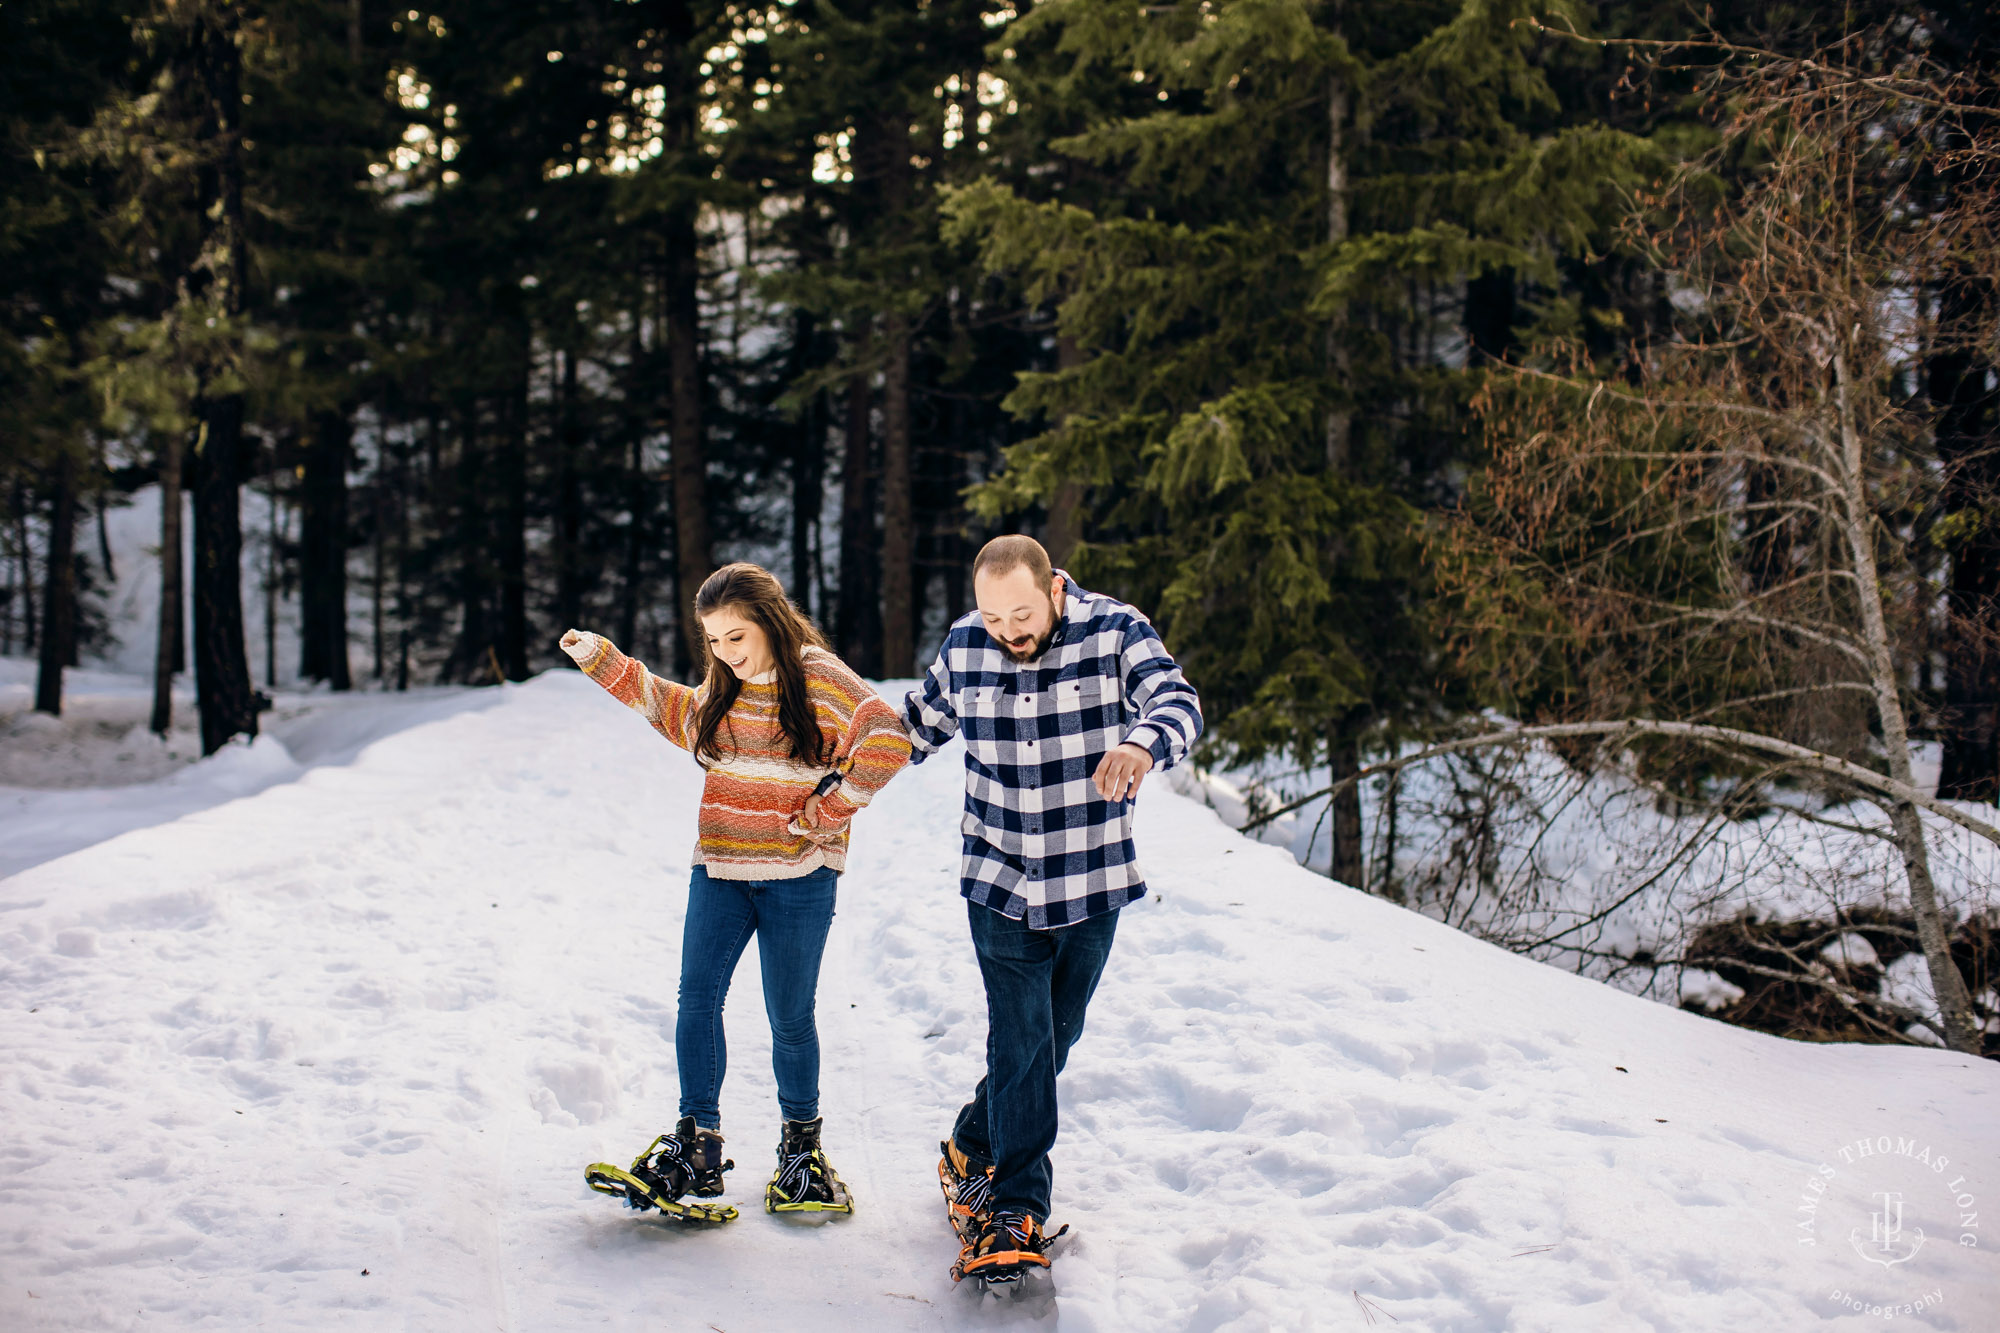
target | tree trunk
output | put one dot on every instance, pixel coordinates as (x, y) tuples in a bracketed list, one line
[(1947, 984), (808, 488), (104, 534), (1346, 863), (512, 649), (1385, 876), (1065, 524), (886, 157), (1339, 419), (808, 465), (227, 703), (899, 538), (1969, 726), (26, 566), (167, 660), (860, 608), (637, 497), (1343, 761), (13, 601), (1489, 313), (378, 553), (59, 587), (274, 545), (223, 694), (475, 638), (323, 550), (569, 502), (405, 502), (694, 554)]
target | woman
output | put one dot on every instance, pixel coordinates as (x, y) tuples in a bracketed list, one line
[(794, 743)]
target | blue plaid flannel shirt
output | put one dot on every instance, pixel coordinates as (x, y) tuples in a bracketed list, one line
[(1041, 845)]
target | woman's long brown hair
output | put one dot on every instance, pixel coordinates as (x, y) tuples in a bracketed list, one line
[(753, 593)]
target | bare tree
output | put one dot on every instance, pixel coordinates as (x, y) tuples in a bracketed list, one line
[(1697, 564)]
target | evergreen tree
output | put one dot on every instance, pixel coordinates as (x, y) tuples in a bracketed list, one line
[(1266, 279), (60, 62), (865, 112)]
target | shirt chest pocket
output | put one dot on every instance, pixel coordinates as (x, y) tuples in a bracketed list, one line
[(1089, 703), (986, 719)]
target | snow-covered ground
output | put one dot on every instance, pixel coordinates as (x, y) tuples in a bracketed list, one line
[(333, 1055)]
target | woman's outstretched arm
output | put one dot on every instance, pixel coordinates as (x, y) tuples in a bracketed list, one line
[(668, 706)]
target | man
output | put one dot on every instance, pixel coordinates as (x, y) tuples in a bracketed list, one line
[(1065, 700)]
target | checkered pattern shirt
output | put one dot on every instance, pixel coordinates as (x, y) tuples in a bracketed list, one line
[(1041, 845)]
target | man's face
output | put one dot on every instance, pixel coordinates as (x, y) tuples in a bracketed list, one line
[(1019, 610)]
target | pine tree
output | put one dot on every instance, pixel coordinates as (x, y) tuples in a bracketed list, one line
[(864, 112), (1265, 276), (318, 115), (59, 64)]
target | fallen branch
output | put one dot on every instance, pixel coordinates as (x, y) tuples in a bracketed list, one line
[(1833, 766)]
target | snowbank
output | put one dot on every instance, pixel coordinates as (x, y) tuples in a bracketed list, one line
[(67, 783)]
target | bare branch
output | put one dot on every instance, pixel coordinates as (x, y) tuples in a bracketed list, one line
[(1809, 759)]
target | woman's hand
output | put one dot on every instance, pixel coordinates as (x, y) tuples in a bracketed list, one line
[(579, 643), (810, 818)]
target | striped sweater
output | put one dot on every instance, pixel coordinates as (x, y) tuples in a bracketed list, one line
[(754, 794)]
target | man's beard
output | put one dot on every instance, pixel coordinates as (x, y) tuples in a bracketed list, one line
[(1039, 646)]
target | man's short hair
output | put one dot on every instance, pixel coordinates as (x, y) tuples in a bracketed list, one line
[(1003, 555)]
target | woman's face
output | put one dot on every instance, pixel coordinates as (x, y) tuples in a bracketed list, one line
[(738, 642)]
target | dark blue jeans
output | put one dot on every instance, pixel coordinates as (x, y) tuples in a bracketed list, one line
[(1038, 983), (790, 918)]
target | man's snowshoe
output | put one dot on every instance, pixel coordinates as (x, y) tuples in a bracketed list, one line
[(1008, 1246), (687, 1161), (805, 1181), (968, 1191)]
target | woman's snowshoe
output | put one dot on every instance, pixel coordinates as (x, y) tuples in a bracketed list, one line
[(805, 1181), (687, 1161)]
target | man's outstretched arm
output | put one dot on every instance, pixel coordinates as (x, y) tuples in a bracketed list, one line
[(929, 714)]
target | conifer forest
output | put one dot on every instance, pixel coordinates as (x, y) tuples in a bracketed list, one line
[(1438, 375)]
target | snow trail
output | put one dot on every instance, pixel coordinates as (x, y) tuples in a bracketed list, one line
[(379, 1016)]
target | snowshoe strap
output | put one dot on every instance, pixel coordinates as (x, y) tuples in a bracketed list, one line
[(800, 1175)]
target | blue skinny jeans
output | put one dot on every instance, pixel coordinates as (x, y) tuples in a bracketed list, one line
[(790, 918)]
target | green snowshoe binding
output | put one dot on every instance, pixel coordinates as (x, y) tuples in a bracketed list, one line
[(687, 1161), (804, 1181)]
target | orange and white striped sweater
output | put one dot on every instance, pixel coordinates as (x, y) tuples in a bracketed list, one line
[(753, 796)]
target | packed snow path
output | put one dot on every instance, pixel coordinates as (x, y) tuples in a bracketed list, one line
[(379, 1018)]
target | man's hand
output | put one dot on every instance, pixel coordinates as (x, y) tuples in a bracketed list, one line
[(810, 816), (1122, 770)]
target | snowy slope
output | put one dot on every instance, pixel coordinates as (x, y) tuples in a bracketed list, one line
[(69, 782), (380, 1016), (1594, 866)]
